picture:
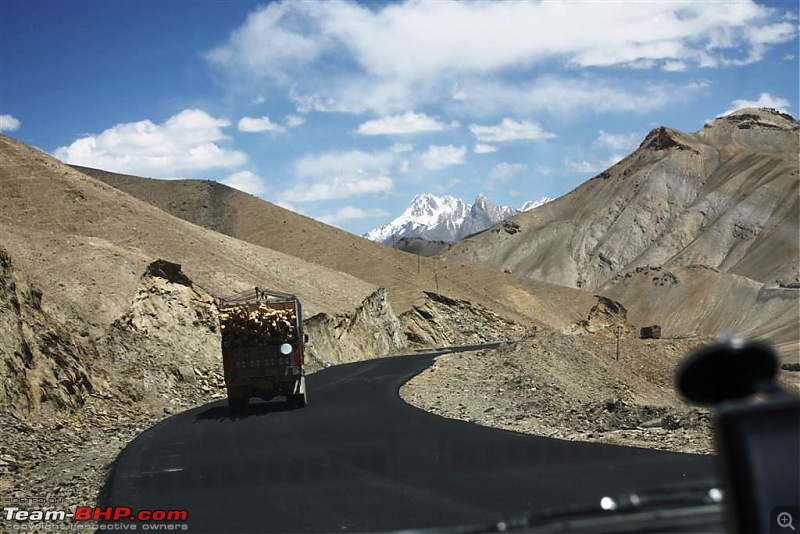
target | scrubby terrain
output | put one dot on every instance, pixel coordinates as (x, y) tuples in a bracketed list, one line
[(524, 387), (574, 385), (570, 385)]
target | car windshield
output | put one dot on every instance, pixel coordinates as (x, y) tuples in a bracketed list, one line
[(356, 265)]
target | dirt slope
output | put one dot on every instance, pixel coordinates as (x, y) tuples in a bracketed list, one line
[(725, 197), (700, 301), (86, 244), (406, 277)]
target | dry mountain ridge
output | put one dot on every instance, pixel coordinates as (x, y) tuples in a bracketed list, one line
[(405, 276), (85, 246), (720, 197), (725, 197)]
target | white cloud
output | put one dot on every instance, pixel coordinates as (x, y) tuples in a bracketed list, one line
[(440, 157), (407, 123), (674, 66), (9, 123), (383, 57), (338, 187), (398, 148), (246, 181), (334, 175), (258, 124), (558, 96), (353, 161), (351, 212), (582, 167), (504, 171), (765, 100), (481, 148), (510, 130), (189, 142), (293, 121), (625, 141)]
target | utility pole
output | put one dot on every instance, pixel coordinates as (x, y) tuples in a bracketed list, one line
[(619, 334)]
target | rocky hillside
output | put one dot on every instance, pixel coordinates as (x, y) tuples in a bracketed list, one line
[(405, 277), (701, 301), (45, 365), (718, 210), (116, 279), (100, 276), (725, 197)]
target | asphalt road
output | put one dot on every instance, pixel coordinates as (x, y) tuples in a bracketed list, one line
[(360, 459)]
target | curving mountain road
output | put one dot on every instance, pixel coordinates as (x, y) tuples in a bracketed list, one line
[(358, 458)]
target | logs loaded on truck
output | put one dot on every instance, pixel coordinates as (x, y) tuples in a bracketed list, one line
[(263, 348)]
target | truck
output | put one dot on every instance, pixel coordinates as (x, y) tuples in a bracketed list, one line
[(263, 348), (651, 332)]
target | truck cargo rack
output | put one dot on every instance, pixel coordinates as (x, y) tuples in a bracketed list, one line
[(256, 295)]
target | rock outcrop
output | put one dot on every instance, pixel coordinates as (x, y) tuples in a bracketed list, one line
[(44, 365), (372, 330), (442, 321), (166, 347), (604, 319)]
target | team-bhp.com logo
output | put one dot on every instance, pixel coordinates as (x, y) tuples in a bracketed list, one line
[(109, 513)]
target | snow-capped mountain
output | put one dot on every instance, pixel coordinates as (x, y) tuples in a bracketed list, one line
[(427, 216), (445, 218), (482, 215)]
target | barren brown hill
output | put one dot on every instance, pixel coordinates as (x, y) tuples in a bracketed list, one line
[(725, 197), (701, 301), (405, 276), (86, 244)]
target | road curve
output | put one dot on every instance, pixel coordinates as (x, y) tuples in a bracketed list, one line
[(359, 459)]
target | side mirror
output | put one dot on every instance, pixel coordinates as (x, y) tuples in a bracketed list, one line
[(305, 338), (732, 369)]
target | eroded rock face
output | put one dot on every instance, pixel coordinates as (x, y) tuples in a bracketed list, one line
[(604, 319), (662, 139), (44, 366), (443, 321), (372, 330), (167, 345)]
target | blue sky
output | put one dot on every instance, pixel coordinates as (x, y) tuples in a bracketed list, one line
[(344, 111)]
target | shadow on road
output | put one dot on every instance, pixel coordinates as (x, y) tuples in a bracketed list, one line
[(221, 413)]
